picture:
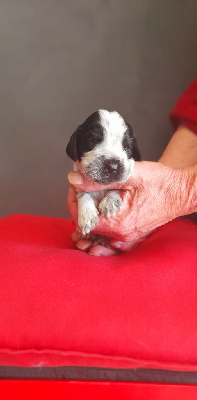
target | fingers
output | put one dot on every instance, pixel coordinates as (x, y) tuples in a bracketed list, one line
[(126, 246), (79, 181), (141, 169), (72, 194), (97, 250), (75, 237), (72, 204), (123, 246), (81, 244)]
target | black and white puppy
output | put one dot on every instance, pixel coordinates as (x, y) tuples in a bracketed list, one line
[(103, 149)]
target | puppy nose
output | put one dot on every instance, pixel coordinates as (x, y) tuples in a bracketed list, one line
[(112, 166)]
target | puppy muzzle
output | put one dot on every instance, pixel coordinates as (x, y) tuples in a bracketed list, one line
[(105, 171)]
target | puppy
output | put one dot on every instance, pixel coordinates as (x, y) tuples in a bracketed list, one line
[(103, 148)]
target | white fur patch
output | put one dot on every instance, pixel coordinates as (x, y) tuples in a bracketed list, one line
[(111, 147)]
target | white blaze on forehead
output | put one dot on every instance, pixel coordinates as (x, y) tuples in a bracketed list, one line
[(113, 124)]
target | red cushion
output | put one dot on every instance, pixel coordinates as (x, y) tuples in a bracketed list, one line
[(60, 306)]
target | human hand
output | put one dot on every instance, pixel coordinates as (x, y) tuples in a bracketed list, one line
[(152, 196)]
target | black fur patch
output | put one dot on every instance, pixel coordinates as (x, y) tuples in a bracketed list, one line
[(130, 146), (85, 138)]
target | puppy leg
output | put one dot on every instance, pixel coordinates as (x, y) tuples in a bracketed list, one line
[(87, 212), (111, 203)]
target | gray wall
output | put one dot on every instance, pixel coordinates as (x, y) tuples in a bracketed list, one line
[(60, 60)]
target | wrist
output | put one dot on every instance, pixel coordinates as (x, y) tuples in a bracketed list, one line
[(191, 190), (185, 190), (168, 193), (176, 191)]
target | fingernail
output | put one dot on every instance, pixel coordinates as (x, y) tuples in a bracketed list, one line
[(78, 246), (116, 244), (75, 178)]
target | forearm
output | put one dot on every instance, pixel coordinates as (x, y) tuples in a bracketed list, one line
[(181, 151)]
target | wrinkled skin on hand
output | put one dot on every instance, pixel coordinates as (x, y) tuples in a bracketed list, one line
[(153, 196)]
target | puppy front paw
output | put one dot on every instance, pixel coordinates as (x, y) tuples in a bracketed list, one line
[(88, 220), (110, 204)]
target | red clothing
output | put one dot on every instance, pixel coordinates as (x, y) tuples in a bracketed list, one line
[(185, 110)]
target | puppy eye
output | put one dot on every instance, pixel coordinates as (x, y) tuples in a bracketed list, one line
[(91, 139), (89, 142), (128, 150), (127, 147)]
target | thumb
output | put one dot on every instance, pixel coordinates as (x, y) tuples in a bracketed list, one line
[(79, 181)]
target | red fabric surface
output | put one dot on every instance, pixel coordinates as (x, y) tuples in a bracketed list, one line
[(60, 306), (29, 389), (185, 110)]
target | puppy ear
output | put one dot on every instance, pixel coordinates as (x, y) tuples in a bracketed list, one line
[(136, 152), (71, 149)]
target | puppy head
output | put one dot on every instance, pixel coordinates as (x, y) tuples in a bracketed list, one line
[(104, 147)]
